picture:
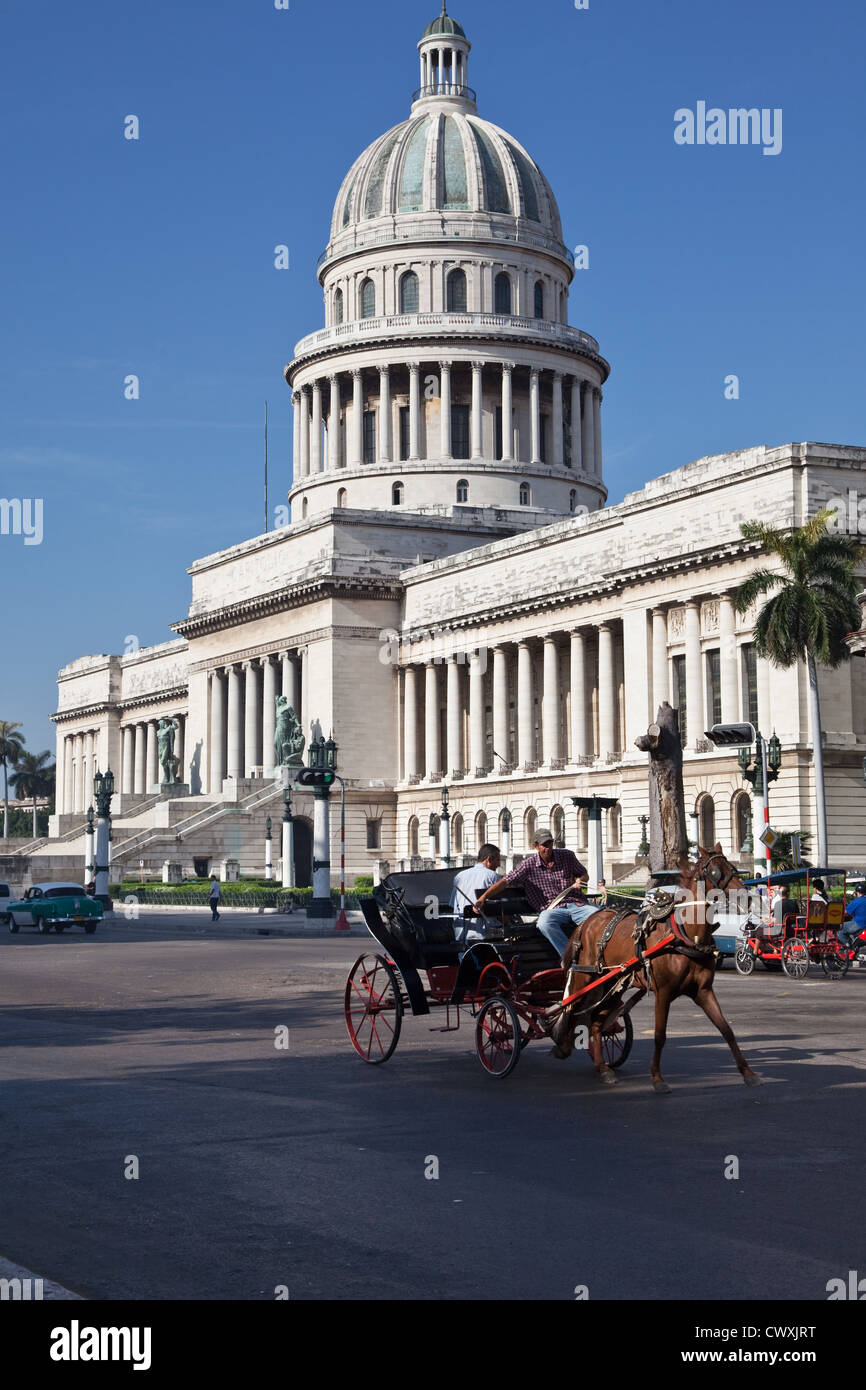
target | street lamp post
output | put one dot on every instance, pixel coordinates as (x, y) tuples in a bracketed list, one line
[(269, 866), (288, 846), (760, 770), (88, 848), (643, 848), (445, 819), (594, 805), (103, 791), (505, 821)]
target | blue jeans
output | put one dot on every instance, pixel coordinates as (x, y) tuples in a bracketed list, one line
[(848, 934), (553, 920)]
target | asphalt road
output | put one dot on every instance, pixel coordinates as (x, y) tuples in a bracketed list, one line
[(304, 1168)]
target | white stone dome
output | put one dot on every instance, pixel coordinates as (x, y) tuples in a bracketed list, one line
[(445, 161)]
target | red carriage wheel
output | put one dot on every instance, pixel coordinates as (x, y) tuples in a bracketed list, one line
[(374, 1008), (795, 958), (616, 1041), (497, 1037)]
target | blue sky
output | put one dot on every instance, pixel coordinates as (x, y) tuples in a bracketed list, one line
[(155, 257)]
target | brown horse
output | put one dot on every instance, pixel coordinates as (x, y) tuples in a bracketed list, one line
[(686, 968)]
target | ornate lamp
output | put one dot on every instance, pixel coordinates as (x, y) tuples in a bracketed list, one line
[(329, 749), (774, 754)]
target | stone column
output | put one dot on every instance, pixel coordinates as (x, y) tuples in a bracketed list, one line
[(291, 682), (765, 717), (694, 681), (477, 743), (356, 451), (269, 712), (235, 739), (454, 722), (432, 749), (500, 704), (414, 412), (251, 712), (180, 747), (316, 461), (550, 702), (384, 414), (477, 407), (507, 412), (152, 768), (535, 414), (296, 436), (68, 782), (334, 426), (579, 701), (588, 430), (556, 451), (576, 442), (217, 732), (140, 778), (596, 417), (525, 729), (606, 693), (305, 431), (410, 723), (127, 781), (728, 659), (445, 409), (661, 678)]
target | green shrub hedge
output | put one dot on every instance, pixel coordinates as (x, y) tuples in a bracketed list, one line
[(232, 895)]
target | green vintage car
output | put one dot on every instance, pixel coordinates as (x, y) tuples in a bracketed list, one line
[(57, 905)]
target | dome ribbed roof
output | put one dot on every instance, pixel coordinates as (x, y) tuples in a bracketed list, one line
[(443, 24), (440, 161)]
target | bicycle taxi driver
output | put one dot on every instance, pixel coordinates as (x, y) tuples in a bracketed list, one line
[(544, 876)]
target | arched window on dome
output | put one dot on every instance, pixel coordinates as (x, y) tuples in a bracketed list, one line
[(502, 294), (305, 508), (397, 495), (409, 293), (525, 495), (342, 497), (572, 499), (368, 300), (463, 491), (338, 307), (457, 297), (539, 299)]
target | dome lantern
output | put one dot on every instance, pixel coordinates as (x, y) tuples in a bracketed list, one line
[(444, 54)]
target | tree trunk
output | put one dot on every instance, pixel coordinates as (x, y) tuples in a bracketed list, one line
[(5, 801), (34, 817), (818, 761), (669, 843)]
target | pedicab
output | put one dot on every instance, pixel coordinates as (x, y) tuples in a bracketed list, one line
[(807, 936)]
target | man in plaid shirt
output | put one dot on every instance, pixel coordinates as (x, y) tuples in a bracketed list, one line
[(543, 876)]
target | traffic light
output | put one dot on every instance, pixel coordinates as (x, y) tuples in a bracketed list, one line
[(315, 776), (731, 735)]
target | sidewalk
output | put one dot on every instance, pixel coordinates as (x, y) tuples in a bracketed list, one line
[(247, 921)]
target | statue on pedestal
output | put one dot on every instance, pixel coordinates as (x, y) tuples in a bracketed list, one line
[(168, 761), (289, 741)]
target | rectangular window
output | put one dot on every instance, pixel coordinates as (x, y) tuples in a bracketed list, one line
[(497, 452), (374, 834), (678, 664), (404, 431), (714, 687), (750, 684), (369, 436), (460, 432)]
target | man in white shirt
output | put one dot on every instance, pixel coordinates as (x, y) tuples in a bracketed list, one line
[(468, 884)]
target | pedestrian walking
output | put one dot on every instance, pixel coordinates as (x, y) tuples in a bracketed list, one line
[(214, 897)]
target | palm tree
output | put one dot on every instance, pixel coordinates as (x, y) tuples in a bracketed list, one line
[(11, 747), (34, 778), (814, 609)]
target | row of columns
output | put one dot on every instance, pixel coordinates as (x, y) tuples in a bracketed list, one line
[(439, 62), (696, 704), (243, 713), (429, 758), (78, 768), (140, 771), (315, 455)]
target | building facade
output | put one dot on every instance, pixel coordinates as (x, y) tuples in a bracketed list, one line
[(453, 598)]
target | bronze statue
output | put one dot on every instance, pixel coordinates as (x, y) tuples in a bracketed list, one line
[(289, 740)]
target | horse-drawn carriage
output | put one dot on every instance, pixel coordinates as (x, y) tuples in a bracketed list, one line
[(514, 984), (802, 937)]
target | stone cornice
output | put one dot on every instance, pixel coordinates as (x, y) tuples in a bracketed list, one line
[(120, 706), (282, 600)]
